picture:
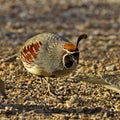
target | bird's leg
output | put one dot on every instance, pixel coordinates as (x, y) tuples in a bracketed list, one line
[(50, 87)]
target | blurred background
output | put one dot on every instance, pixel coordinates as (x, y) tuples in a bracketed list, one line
[(26, 18)]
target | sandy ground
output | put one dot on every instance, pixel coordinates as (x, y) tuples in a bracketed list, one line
[(28, 97)]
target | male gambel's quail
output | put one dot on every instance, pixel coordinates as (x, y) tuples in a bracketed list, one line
[(50, 55)]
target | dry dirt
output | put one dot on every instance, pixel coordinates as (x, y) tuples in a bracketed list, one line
[(28, 97)]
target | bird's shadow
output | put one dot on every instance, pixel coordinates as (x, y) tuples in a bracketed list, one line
[(46, 110)]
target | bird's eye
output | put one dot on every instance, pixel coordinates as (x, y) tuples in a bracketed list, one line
[(68, 61)]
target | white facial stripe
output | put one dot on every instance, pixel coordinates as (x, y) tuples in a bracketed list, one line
[(69, 52)]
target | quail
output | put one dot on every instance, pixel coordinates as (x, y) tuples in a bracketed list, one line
[(50, 55), (2, 88), (109, 81), (112, 82)]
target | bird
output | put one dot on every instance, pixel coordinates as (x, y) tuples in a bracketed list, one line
[(2, 89), (50, 55), (109, 81)]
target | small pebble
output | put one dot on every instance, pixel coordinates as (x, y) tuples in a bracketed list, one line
[(111, 68)]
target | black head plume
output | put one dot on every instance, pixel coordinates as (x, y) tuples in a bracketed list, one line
[(82, 36)]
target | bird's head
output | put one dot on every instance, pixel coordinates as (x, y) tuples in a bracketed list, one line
[(71, 55)]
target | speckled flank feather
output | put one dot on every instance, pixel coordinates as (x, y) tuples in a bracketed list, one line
[(30, 51), (112, 81)]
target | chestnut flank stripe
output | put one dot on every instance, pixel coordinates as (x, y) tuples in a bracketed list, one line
[(30, 51)]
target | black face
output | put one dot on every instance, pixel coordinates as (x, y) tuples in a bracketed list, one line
[(70, 59)]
